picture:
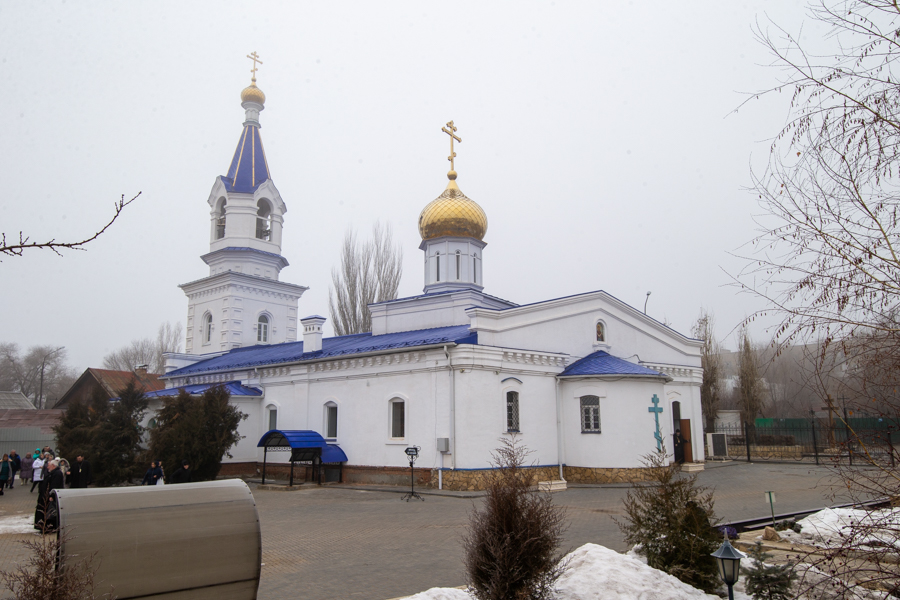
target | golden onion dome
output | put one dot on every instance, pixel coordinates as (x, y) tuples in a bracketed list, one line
[(452, 214), (251, 93)]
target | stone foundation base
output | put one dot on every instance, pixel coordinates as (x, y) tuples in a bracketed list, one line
[(458, 480), (386, 476), (595, 475), (242, 469)]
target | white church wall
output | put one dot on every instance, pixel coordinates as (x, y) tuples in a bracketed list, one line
[(569, 325), (481, 416), (626, 426)]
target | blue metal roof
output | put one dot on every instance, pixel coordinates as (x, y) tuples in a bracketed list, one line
[(303, 438), (248, 167), (232, 387), (257, 356), (603, 363)]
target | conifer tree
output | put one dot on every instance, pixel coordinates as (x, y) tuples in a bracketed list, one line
[(768, 582), (199, 430), (671, 519), (118, 438), (77, 428)]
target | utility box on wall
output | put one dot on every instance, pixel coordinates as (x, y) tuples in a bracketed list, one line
[(443, 444)]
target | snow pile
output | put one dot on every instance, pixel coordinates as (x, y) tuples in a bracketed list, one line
[(598, 573), (832, 527), (17, 524)]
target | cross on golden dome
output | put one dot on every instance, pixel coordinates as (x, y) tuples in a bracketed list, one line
[(255, 58), (451, 131)]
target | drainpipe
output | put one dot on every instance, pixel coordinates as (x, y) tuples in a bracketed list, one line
[(452, 410), (559, 436)]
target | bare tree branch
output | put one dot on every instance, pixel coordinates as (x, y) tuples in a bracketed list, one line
[(17, 249), (368, 272)]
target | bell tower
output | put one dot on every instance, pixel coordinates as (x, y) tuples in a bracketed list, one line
[(242, 302)]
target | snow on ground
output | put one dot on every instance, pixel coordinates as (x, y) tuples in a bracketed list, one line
[(832, 526), (17, 524), (598, 573)]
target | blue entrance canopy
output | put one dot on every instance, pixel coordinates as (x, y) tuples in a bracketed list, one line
[(303, 438)]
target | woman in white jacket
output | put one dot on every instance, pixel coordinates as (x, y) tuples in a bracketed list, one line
[(38, 467)]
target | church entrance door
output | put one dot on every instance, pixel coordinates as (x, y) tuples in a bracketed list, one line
[(686, 436)]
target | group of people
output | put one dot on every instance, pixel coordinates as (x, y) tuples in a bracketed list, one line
[(47, 473), (156, 476)]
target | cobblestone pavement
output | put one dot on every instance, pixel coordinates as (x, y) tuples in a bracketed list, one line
[(335, 542)]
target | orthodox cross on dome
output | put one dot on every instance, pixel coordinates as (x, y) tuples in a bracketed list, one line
[(255, 58), (451, 131), (656, 409)]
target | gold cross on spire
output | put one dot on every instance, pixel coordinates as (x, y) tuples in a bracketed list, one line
[(451, 131), (255, 58)]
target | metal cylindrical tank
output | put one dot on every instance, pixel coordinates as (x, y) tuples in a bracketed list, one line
[(191, 540)]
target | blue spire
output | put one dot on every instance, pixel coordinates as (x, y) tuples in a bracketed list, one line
[(249, 168)]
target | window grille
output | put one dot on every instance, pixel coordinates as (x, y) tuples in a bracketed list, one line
[(262, 329), (512, 411), (590, 414), (331, 429), (207, 325), (398, 419)]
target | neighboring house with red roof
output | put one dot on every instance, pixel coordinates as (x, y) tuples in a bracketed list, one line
[(108, 383)]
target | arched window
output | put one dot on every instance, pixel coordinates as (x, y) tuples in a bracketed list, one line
[(474, 268), (458, 258), (263, 221), (262, 329), (590, 414), (220, 219), (437, 266), (207, 328), (601, 332), (512, 412), (331, 420), (398, 419), (273, 418), (152, 424)]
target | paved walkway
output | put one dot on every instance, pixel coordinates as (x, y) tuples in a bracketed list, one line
[(337, 542)]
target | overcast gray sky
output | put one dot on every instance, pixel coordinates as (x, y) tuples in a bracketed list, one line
[(596, 136)]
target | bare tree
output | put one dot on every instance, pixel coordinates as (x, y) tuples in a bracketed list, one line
[(42, 374), (146, 351), (827, 257), (748, 374), (13, 248), (704, 329), (369, 272)]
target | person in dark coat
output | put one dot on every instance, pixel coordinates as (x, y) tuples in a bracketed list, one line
[(679, 447), (183, 473), (153, 474), (46, 514), (5, 470), (80, 473), (15, 462)]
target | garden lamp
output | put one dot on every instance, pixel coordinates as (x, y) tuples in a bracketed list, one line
[(729, 561)]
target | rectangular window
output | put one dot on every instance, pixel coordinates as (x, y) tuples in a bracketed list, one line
[(457, 264), (437, 267), (590, 414), (331, 429), (512, 411), (398, 419), (273, 419)]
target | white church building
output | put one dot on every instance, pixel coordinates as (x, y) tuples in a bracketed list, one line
[(588, 383)]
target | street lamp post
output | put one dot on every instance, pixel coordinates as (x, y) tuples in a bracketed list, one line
[(43, 364), (645, 302), (729, 561), (412, 453)]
